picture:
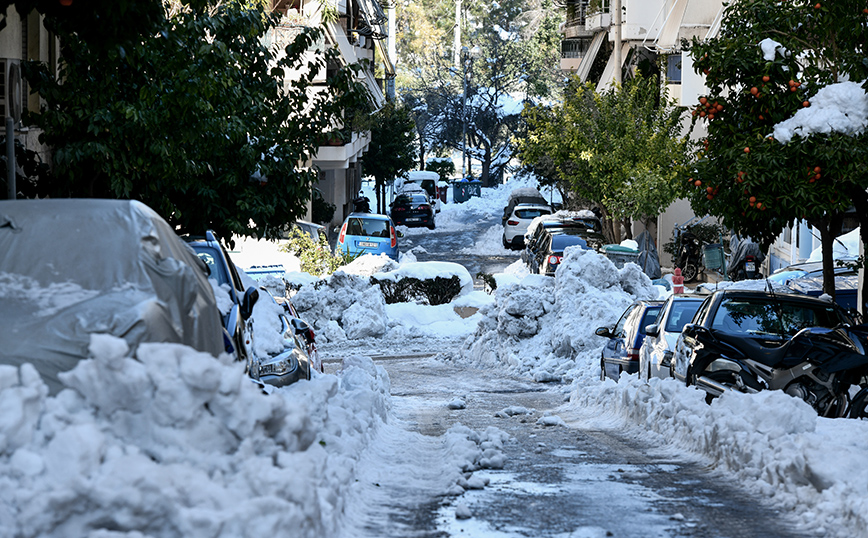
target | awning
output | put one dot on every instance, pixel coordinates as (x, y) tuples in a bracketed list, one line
[(606, 81), (387, 62), (667, 39), (589, 57), (376, 93)]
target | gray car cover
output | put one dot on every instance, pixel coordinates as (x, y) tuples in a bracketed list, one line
[(73, 267), (649, 260)]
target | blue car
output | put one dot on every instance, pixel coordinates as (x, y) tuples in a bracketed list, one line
[(621, 353), (367, 233)]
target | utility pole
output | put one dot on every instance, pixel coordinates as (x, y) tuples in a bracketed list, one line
[(390, 81), (616, 23), (456, 42)]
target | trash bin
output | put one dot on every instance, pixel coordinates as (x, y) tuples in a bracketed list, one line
[(620, 255), (460, 191), (441, 192), (475, 187)]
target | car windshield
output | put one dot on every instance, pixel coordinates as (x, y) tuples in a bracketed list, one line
[(758, 316), (531, 213), (680, 315), (591, 224), (367, 227)]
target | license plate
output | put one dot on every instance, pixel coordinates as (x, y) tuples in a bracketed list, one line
[(750, 266), (414, 219), (367, 244)]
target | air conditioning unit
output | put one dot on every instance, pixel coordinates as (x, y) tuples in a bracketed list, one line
[(11, 98)]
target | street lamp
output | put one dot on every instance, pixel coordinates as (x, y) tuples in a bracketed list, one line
[(469, 55)]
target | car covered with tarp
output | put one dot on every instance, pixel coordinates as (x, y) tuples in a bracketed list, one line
[(70, 268)]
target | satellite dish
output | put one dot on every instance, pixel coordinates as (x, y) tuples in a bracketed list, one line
[(13, 85)]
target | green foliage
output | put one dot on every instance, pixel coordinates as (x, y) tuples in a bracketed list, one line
[(315, 255), (193, 119), (431, 291), (392, 149), (321, 210), (620, 149), (754, 183), (445, 168), (30, 170), (706, 233)]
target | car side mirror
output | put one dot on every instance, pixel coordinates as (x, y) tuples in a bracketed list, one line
[(689, 330), (250, 298), (652, 330), (299, 325), (399, 233), (605, 332)]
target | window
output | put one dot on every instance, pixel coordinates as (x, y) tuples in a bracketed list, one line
[(673, 69), (681, 312)]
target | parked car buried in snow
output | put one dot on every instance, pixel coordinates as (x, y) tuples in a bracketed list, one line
[(288, 363), (550, 252), (75, 267), (518, 221)]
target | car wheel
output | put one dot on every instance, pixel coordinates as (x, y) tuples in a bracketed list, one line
[(505, 242), (432, 225), (602, 370)]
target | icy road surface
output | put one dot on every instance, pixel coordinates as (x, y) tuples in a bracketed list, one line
[(557, 481)]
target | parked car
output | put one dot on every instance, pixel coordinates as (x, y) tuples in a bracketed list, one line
[(75, 267), (846, 287), (425, 180), (750, 341), (524, 195), (280, 368), (655, 355), (367, 233), (412, 209), (518, 221), (756, 321), (581, 223), (621, 352), (220, 269), (551, 252)]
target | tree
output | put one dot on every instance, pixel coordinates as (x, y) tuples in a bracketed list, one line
[(194, 119), (518, 45), (621, 149), (767, 65), (391, 152)]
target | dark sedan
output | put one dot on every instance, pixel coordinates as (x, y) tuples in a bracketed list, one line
[(412, 209), (750, 321), (551, 252)]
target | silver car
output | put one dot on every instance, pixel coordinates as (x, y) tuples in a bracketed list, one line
[(70, 268), (655, 355)]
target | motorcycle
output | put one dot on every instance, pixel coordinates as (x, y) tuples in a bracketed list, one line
[(362, 204), (689, 255), (746, 261), (818, 365)]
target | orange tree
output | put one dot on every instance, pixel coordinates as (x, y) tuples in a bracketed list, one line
[(770, 60)]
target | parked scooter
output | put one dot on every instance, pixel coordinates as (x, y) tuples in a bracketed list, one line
[(689, 255), (818, 365), (362, 204), (746, 261)]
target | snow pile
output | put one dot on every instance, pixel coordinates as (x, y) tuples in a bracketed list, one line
[(370, 264), (342, 306), (179, 443), (544, 327), (770, 47), (811, 467), (836, 108), (430, 271)]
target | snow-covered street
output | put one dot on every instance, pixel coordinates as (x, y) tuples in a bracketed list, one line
[(425, 423)]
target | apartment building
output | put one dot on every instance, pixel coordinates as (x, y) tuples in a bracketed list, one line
[(357, 28)]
